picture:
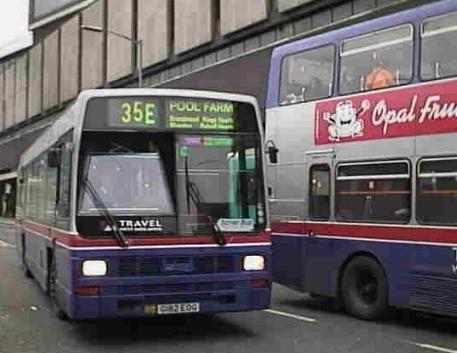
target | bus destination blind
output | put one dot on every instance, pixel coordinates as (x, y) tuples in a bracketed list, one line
[(199, 114), (136, 113), (168, 113)]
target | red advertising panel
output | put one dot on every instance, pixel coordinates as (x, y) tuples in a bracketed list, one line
[(415, 110)]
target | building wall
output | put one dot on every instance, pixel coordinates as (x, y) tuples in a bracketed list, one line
[(35, 88), (10, 87), (20, 89), (119, 60), (193, 24), (2, 97), (69, 59), (154, 28), (93, 47), (236, 14), (207, 44), (51, 71)]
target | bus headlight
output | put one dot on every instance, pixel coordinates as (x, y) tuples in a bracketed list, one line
[(253, 263), (92, 268)]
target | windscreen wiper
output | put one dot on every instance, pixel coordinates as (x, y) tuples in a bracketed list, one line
[(194, 194), (218, 236), (101, 207)]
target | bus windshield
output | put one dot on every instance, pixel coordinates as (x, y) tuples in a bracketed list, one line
[(218, 179), (128, 184), (183, 184)]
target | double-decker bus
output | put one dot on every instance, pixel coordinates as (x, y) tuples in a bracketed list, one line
[(140, 202), (361, 129)]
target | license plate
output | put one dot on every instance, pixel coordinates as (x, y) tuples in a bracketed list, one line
[(167, 309)]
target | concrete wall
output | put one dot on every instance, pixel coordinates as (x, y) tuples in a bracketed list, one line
[(238, 14), (35, 84), (154, 28), (181, 39), (51, 70), (20, 96), (10, 75), (285, 5), (120, 50), (193, 24), (2, 97), (70, 59), (93, 44)]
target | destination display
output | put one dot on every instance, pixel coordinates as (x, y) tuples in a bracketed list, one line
[(138, 113), (199, 114)]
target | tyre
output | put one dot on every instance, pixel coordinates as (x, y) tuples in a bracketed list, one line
[(364, 288)]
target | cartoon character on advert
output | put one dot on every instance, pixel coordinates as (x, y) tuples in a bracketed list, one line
[(344, 122)]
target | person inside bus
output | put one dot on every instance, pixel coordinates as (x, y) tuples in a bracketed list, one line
[(316, 89), (380, 76)]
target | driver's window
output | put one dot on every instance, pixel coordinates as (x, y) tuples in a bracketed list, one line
[(307, 75)]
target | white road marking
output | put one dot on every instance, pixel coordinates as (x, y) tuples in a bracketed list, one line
[(6, 245), (292, 316), (433, 348)]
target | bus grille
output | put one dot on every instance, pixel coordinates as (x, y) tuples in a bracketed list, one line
[(434, 294), (169, 288), (175, 265)]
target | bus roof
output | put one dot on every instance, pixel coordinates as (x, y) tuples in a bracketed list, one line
[(73, 116), (336, 36)]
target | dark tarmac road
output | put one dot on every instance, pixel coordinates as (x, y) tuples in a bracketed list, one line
[(295, 323)]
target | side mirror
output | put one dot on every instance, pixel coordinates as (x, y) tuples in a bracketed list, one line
[(54, 158), (272, 152)]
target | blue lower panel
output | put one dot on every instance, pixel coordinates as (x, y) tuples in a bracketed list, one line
[(213, 277), (94, 307)]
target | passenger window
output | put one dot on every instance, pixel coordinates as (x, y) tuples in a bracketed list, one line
[(377, 60), (439, 45), (373, 192), (307, 75), (437, 191), (319, 200), (64, 190)]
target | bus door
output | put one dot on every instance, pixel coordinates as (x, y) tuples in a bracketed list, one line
[(317, 264)]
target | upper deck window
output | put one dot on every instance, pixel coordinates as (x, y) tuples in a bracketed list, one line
[(377, 60), (307, 75), (439, 45)]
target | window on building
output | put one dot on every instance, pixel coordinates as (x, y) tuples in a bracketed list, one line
[(373, 192), (439, 45), (377, 60), (437, 191), (319, 198), (307, 75)]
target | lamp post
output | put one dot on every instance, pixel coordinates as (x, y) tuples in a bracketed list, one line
[(138, 44)]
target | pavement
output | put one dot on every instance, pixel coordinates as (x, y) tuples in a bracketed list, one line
[(295, 323)]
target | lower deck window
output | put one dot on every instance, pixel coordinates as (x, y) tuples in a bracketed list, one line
[(373, 192), (437, 191), (319, 200)]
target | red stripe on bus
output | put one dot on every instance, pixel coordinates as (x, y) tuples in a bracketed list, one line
[(76, 240), (375, 232)]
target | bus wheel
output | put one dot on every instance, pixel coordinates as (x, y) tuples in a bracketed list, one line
[(364, 288), (52, 291)]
